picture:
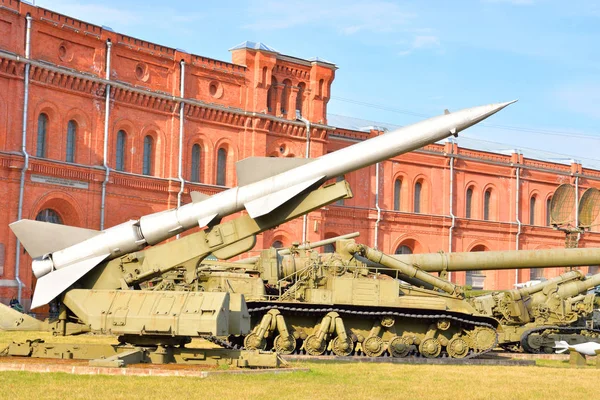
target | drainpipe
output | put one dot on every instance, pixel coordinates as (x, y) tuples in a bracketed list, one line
[(517, 195), (25, 155), (180, 157), (577, 208), (307, 155), (105, 151), (376, 236), (453, 225)]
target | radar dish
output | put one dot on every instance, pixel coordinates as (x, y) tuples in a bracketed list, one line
[(589, 206), (562, 205)]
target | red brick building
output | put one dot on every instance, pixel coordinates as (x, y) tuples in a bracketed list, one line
[(91, 123)]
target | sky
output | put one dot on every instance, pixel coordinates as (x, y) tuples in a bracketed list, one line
[(402, 61)]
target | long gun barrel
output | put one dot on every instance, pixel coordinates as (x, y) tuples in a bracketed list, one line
[(404, 268), (510, 259), (578, 287)]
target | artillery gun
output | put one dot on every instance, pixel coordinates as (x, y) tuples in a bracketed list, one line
[(531, 318), (303, 301)]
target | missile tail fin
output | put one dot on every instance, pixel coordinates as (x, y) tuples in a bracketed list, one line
[(56, 282), (197, 197), (254, 169), (41, 238), (561, 346), (266, 204)]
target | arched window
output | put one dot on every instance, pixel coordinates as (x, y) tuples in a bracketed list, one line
[(120, 160), (71, 132), (548, 204), (329, 248), (148, 153), (195, 176), (475, 279), (417, 198), (285, 96), (340, 202), (49, 215), (486, 204), (277, 244), (397, 188), (221, 166), (403, 249), (468, 202), (532, 210), (301, 88), (272, 96), (42, 135), (264, 76)]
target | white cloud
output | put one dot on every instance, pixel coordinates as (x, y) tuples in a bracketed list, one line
[(348, 17), (426, 41), (422, 42), (120, 17), (513, 2)]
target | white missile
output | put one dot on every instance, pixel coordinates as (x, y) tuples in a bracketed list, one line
[(587, 348), (67, 253)]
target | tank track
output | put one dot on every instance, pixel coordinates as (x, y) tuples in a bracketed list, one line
[(375, 314), (222, 342), (562, 330)]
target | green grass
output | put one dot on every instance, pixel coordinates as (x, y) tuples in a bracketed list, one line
[(331, 381)]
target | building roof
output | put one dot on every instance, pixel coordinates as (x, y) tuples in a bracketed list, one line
[(254, 46), (363, 125)]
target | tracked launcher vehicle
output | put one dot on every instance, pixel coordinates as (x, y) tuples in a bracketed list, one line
[(334, 303), (531, 318)]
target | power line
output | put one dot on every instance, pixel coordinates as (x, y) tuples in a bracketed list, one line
[(501, 127)]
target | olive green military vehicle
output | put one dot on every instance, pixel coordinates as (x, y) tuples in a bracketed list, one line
[(531, 318), (358, 300), (351, 302)]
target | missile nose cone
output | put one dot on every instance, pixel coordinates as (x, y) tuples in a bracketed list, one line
[(490, 109)]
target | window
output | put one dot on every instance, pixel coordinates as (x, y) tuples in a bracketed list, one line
[(195, 163), (120, 161), (417, 198), (284, 98), (148, 150), (42, 135), (532, 210), (486, 204), (329, 248), (340, 202), (403, 249), (221, 166), (301, 88), (272, 96), (277, 244), (468, 202), (536, 274), (71, 131), (548, 205), (49, 215), (397, 188)]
